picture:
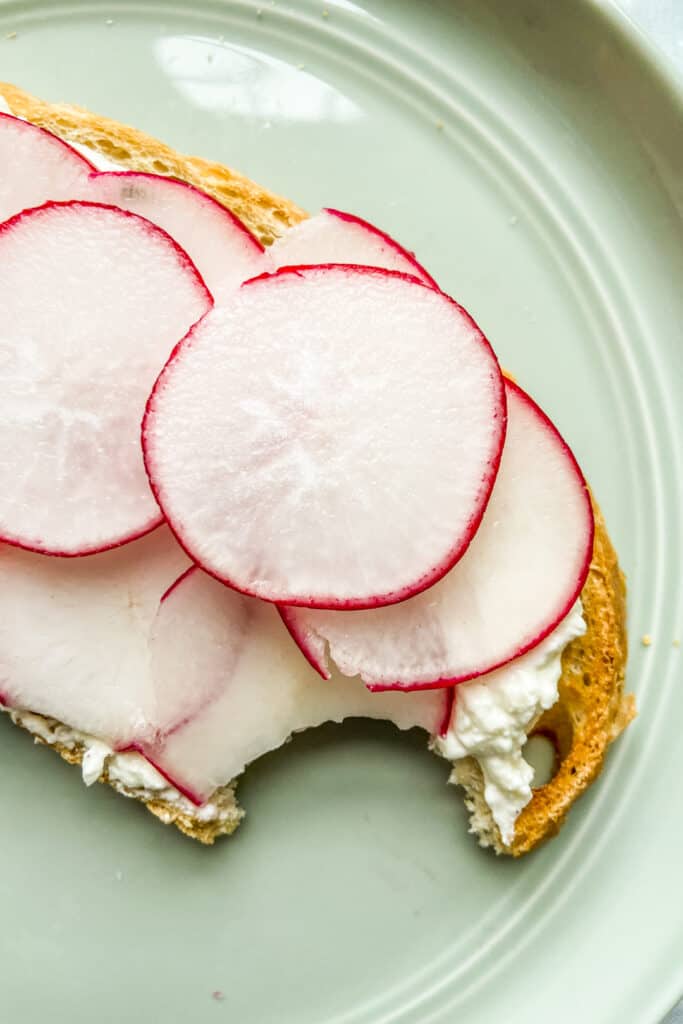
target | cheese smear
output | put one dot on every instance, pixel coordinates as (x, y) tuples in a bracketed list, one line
[(494, 714)]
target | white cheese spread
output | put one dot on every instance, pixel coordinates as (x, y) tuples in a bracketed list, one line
[(494, 714), (129, 771)]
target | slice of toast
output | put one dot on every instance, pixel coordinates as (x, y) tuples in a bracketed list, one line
[(592, 709)]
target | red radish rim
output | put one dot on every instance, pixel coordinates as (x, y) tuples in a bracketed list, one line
[(187, 264), (176, 583), (300, 270), (164, 597), (438, 571), (204, 196), (319, 666), (448, 712), (352, 218)]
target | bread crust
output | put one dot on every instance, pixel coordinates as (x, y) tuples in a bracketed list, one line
[(592, 709)]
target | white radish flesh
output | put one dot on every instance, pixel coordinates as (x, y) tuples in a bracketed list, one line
[(333, 236), (222, 249), (330, 437), (74, 637), (520, 576), (93, 300), (259, 689)]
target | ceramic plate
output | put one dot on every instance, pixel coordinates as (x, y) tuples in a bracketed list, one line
[(531, 153)]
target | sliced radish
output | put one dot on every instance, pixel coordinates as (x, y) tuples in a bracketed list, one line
[(330, 437), (259, 690), (74, 638), (219, 245), (333, 236), (38, 166), (93, 300), (520, 576)]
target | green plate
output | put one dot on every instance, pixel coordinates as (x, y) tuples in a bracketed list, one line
[(531, 153)]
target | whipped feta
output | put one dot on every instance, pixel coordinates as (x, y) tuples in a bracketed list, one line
[(494, 714)]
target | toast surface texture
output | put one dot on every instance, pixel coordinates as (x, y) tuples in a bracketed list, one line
[(592, 709)]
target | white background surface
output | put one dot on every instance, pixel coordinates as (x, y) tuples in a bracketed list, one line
[(662, 21)]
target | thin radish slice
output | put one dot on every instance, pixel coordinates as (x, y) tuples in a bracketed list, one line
[(36, 166), (93, 300), (223, 250), (219, 642), (520, 576), (333, 236), (328, 438), (74, 638)]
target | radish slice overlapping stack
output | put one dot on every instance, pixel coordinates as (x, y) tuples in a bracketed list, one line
[(37, 167), (258, 688), (520, 576), (74, 638), (328, 438)]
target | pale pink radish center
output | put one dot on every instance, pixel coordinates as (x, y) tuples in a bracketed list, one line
[(93, 301), (330, 437)]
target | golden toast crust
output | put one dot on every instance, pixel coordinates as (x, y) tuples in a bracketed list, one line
[(591, 712), (592, 709)]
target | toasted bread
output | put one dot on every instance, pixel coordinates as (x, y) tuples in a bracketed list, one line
[(592, 709)]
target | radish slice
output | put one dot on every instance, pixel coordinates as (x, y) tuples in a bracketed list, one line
[(219, 245), (520, 576), (38, 166), (93, 300), (333, 236), (328, 438), (218, 642), (74, 638)]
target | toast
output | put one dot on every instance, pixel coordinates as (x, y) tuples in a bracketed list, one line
[(592, 709)]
